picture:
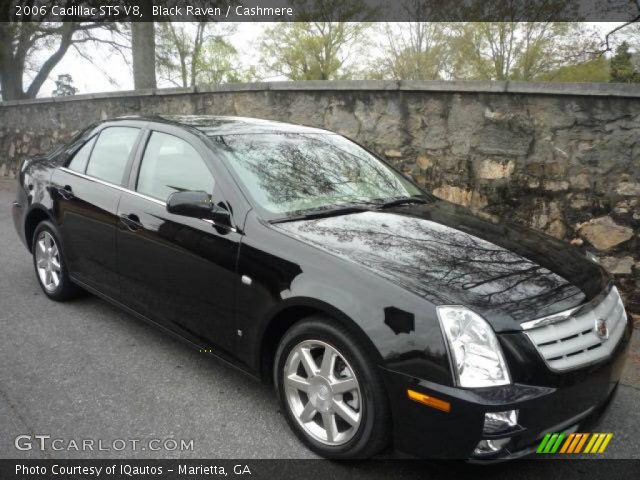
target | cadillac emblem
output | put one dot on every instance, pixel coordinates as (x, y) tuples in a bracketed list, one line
[(601, 328)]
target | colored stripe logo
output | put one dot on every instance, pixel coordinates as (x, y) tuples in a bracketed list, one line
[(574, 443)]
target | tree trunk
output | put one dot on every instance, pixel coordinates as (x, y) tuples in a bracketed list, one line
[(143, 47), (11, 84), (10, 69), (52, 61)]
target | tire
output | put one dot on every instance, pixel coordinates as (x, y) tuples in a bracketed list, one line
[(358, 418), (48, 256)]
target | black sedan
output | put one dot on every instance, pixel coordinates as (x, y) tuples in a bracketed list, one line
[(384, 316)]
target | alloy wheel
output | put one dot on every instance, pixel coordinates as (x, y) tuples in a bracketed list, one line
[(323, 392), (48, 261)]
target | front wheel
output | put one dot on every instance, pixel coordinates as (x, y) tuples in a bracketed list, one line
[(330, 390)]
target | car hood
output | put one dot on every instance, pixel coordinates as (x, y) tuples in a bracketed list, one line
[(444, 253)]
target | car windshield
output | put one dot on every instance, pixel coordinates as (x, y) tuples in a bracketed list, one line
[(288, 174)]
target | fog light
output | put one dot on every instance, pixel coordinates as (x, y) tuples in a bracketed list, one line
[(488, 447), (500, 422)]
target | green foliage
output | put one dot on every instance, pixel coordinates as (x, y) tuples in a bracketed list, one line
[(301, 51), (622, 68), (518, 50), (414, 51), (189, 54), (218, 63), (315, 50), (596, 70), (529, 51)]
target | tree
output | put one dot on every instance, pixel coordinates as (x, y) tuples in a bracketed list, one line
[(630, 28), (194, 53), (22, 45), (143, 54), (310, 49), (64, 86), (414, 51), (519, 50), (596, 70), (220, 64), (632, 35), (178, 51), (622, 68)]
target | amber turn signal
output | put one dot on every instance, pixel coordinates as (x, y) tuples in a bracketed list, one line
[(429, 401)]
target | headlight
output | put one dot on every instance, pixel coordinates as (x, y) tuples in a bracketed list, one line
[(474, 348)]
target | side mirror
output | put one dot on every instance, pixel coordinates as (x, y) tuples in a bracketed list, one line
[(197, 204)]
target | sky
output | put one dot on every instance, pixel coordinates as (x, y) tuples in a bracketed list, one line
[(88, 78)]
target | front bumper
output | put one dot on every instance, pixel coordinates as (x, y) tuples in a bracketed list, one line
[(567, 402)]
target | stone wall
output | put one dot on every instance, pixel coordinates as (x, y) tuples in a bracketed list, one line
[(563, 158)]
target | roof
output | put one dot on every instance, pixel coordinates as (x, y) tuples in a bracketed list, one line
[(212, 125)]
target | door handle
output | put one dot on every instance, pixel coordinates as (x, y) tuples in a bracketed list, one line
[(66, 192), (131, 221)]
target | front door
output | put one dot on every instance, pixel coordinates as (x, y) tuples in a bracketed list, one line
[(175, 270)]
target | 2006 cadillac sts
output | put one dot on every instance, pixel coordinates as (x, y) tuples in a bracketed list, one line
[(384, 316)]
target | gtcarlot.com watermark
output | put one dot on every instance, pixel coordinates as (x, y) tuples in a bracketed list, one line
[(50, 443)]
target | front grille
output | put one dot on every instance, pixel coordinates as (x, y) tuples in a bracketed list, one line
[(573, 341)]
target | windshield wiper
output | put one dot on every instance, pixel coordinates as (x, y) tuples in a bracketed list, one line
[(356, 207), (401, 201)]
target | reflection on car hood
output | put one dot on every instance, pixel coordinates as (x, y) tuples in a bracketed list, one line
[(447, 255)]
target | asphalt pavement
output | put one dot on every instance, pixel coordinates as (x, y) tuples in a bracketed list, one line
[(84, 370)]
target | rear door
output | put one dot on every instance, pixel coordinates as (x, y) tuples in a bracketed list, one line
[(87, 191), (176, 270)]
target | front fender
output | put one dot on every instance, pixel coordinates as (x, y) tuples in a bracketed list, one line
[(286, 273)]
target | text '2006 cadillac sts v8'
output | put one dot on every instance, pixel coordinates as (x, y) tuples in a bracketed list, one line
[(384, 316)]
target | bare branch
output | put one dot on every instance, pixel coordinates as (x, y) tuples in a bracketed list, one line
[(93, 62), (608, 47)]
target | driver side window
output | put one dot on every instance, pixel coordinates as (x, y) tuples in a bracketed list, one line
[(170, 165)]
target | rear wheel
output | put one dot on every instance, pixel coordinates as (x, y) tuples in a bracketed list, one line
[(48, 261), (330, 390)]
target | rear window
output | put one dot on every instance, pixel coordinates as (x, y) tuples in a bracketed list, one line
[(79, 161), (111, 153)]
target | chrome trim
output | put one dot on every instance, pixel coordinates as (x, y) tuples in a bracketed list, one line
[(112, 185), (574, 343), (217, 225), (549, 319), (137, 194)]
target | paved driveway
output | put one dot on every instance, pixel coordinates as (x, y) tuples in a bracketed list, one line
[(86, 370)]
